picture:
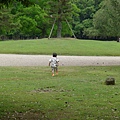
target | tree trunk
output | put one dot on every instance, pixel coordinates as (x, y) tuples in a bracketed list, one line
[(59, 28)]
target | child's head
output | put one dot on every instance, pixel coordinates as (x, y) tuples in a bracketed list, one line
[(54, 54)]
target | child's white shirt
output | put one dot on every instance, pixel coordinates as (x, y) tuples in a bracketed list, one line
[(54, 62)]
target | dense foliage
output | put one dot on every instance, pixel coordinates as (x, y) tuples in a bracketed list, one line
[(21, 19)]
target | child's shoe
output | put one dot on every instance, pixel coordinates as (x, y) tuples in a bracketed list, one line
[(52, 74)]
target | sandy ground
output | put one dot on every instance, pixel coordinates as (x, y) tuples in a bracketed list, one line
[(42, 60)]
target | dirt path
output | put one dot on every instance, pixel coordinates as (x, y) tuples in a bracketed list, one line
[(42, 60)]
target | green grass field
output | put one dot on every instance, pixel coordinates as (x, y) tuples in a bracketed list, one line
[(62, 47), (76, 93)]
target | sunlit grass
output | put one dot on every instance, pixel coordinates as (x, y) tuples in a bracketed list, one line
[(76, 93), (62, 47)]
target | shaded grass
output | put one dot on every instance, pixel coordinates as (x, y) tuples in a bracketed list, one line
[(62, 47), (77, 93)]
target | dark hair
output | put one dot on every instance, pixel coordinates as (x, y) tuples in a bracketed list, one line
[(54, 54)]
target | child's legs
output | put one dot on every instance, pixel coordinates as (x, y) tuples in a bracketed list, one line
[(56, 69), (53, 70)]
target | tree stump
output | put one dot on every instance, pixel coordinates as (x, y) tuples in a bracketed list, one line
[(110, 81)]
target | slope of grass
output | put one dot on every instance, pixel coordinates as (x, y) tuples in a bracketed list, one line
[(62, 47), (76, 93)]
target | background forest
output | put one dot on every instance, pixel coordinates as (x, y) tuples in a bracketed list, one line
[(31, 19)]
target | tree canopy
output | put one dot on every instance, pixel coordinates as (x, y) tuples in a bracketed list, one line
[(61, 11), (7, 2), (21, 19), (107, 18)]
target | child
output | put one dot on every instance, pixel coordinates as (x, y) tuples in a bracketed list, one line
[(53, 62)]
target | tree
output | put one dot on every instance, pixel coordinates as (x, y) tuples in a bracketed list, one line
[(107, 19), (85, 19), (27, 22), (60, 11), (27, 26), (7, 25), (36, 14), (7, 2)]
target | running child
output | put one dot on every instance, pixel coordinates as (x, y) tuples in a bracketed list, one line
[(54, 62)]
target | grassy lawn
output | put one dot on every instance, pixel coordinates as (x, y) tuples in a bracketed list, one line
[(62, 47), (76, 93)]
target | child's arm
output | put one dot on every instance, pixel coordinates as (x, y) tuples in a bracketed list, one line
[(57, 62), (49, 64)]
